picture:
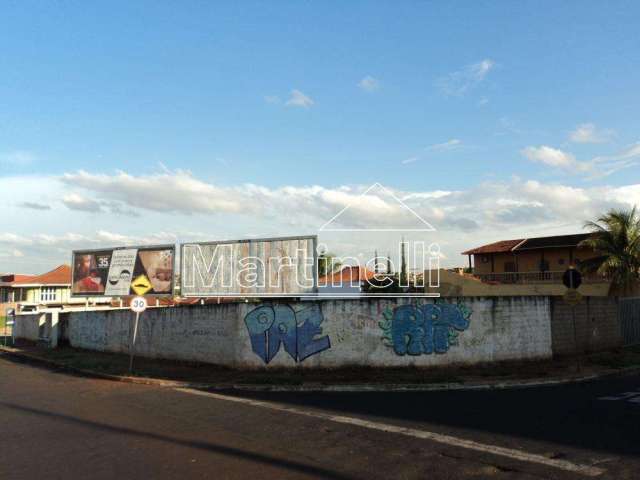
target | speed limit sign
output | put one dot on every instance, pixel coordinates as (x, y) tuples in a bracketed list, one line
[(139, 304)]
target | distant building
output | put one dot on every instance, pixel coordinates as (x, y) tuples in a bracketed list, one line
[(348, 281), (529, 260), (35, 292)]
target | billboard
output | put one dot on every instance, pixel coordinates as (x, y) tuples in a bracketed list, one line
[(122, 271), (262, 267)]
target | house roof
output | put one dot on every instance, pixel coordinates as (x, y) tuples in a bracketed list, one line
[(520, 244), (349, 273), (14, 277), (495, 247), (555, 241), (58, 276)]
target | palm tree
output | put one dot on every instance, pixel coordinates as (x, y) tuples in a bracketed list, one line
[(615, 238)]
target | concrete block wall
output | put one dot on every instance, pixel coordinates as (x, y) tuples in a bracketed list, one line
[(29, 327), (597, 326), (329, 333)]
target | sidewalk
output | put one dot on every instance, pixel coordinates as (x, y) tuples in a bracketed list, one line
[(182, 374)]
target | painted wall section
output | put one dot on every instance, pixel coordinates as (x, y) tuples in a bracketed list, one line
[(427, 328), (328, 333), (270, 326)]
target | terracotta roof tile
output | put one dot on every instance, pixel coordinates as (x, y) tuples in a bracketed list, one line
[(496, 247), (346, 275), (529, 244), (58, 276)]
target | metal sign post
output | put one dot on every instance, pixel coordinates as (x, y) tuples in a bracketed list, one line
[(572, 279), (138, 305)]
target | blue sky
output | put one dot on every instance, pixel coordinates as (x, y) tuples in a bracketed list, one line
[(526, 111)]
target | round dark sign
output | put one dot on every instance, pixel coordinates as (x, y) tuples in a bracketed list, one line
[(572, 278)]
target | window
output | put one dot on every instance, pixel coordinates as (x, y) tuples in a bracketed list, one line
[(47, 294), (561, 261), (509, 266), (484, 259)]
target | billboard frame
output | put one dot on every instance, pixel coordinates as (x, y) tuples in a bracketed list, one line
[(313, 238), (113, 249)]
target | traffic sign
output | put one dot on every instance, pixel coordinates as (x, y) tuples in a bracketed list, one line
[(141, 285), (138, 304), (572, 278)]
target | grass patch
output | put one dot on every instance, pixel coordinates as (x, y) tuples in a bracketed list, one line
[(197, 372), (622, 358)]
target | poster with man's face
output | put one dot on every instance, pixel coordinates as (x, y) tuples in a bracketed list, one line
[(123, 271)]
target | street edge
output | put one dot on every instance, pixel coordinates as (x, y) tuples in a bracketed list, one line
[(313, 387)]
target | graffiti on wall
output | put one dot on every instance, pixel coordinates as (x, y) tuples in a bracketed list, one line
[(273, 326), (424, 329)]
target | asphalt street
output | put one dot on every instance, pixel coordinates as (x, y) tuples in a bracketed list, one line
[(57, 425)]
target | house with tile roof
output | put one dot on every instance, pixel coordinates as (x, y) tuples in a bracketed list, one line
[(33, 292), (529, 260)]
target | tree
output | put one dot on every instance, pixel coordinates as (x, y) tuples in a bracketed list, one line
[(615, 237), (375, 265), (327, 264), (403, 266)]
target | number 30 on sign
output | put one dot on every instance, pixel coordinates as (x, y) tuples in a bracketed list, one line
[(139, 304)]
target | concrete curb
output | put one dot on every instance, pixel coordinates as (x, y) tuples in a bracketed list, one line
[(316, 387)]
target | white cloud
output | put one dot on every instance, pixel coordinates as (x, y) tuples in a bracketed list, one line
[(588, 133), (483, 101), (460, 82), (73, 201), (272, 99), (597, 167), (486, 212), (550, 156), (18, 158), (448, 145), (409, 160), (34, 206), (299, 99), (12, 238), (369, 84), (175, 191), (483, 206)]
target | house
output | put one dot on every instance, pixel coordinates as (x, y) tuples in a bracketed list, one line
[(348, 281), (529, 260), (34, 292)]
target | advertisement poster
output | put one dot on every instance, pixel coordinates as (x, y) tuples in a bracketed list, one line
[(120, 273), (123, 271)]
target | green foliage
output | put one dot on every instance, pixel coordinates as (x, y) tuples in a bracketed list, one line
[(327, 264), (615, 238)]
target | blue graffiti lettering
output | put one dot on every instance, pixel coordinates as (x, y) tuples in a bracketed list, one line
[(417, 330), (271, 326)]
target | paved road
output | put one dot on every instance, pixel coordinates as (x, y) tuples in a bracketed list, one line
[(56, 425)]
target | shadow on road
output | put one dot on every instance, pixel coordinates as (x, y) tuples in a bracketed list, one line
[(568, 415), (207, 446)]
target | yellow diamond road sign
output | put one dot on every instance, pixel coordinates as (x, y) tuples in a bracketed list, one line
[(141, 285)]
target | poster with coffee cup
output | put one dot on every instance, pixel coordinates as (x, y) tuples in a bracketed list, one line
[(121, 272)]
